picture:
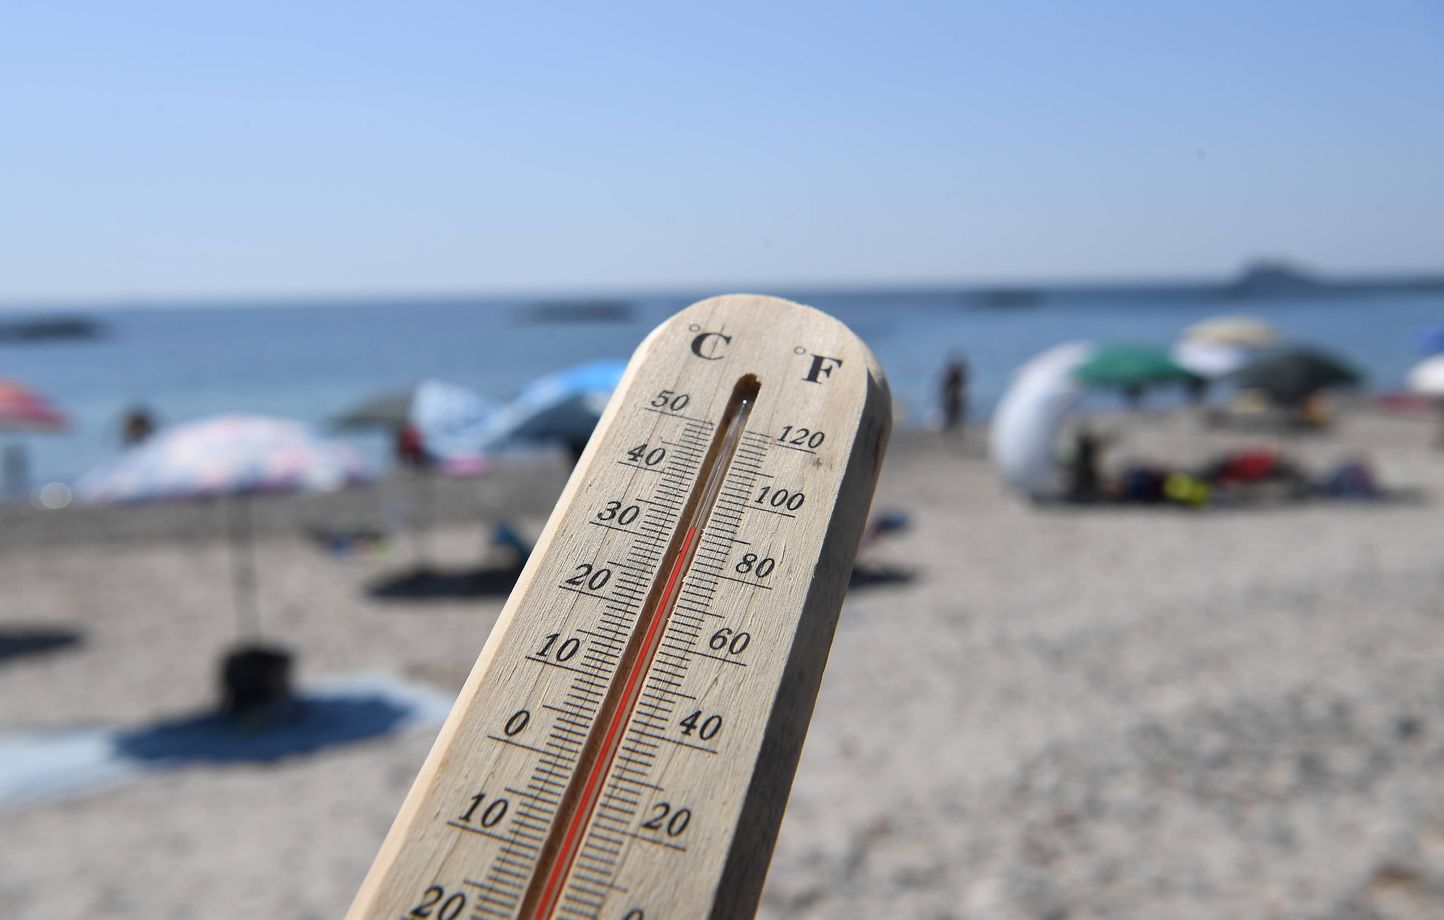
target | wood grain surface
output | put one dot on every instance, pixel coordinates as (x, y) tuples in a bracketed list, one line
[(626, 741)]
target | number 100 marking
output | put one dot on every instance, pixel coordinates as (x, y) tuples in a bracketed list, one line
[(780, 498)]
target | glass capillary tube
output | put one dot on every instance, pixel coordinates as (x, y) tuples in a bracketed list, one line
[(574, 813)]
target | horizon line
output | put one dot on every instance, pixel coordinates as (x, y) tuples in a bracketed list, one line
[(340, 296)]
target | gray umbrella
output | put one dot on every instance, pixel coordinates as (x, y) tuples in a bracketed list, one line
[(389, 410), (1290, 377)]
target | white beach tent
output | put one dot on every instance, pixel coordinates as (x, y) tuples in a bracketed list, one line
[(1026, 423), (1427, 378), (452, 420)]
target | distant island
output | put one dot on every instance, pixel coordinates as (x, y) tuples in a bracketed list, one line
[(1265, 279), (1009, 298), (27, 330), (578, 311), (1273, 278)]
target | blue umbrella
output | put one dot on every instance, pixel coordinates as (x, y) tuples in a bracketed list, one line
[(1431, 339), (561, 407)]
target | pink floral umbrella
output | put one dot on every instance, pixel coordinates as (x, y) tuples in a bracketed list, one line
[(235, 457), (25, 409)]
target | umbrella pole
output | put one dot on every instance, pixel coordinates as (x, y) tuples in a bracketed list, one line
[(16, 470), (243, 565), (421, 518)]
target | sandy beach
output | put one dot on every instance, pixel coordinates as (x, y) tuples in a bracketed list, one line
[(1062, 713)]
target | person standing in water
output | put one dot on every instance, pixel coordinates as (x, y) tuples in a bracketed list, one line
[(955, 394)]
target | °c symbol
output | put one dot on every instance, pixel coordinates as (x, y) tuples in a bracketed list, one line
[(709, 345)]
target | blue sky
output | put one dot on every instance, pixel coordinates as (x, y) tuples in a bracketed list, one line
[(168, 150)]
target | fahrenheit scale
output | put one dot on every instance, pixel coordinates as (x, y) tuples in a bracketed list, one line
[(625, 744)]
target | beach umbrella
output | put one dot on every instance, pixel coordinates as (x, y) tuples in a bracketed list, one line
[(1029, 417), (1427, 379), (1431, 339), (228, 456), (1210, 361), (445, 409), (564, 406), (1221, 345), (24, 409), (1236, 331), (388, 410), (1290, 377), (452, 421), (1131, 367)]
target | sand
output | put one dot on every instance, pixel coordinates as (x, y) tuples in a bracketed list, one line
[(1069, 713)]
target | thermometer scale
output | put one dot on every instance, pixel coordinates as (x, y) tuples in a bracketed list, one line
[(625, 744)]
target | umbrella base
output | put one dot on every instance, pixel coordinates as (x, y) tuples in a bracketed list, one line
[(255, 681)]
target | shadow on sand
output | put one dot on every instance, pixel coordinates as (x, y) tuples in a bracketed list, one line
[(21, 642), (50, 764), (876, 576), (309, 726), (439, 585), (433, 585)]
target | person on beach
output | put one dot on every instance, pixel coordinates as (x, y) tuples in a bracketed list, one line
[(955, 394), (410, 451), (138, 426), (1086, 480)]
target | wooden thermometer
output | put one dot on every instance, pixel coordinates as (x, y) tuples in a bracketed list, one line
[(625, 744)]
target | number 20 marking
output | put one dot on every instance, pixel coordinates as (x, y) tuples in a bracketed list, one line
[(447, 908), (671, 826), (586, 576)]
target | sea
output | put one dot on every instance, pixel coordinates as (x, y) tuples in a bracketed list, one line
[(315, 360)]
